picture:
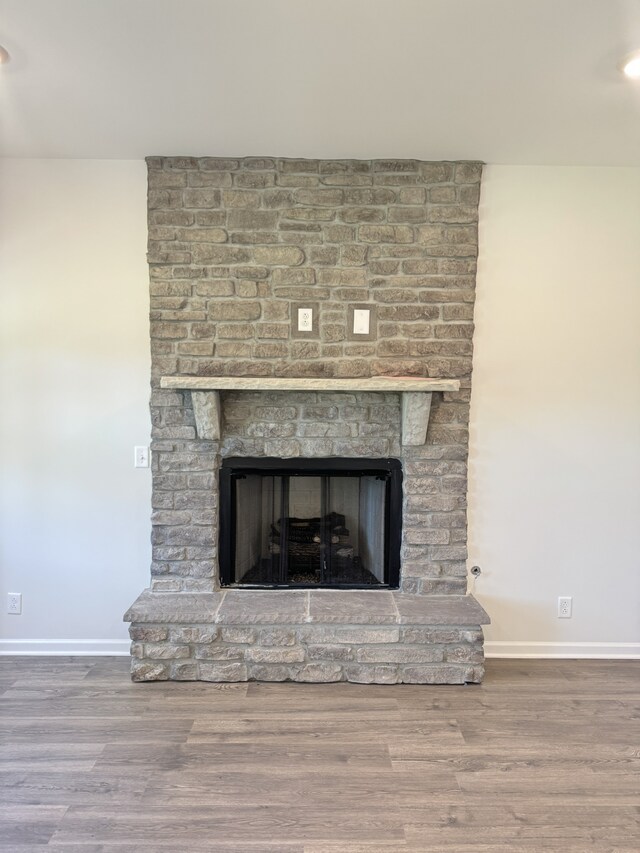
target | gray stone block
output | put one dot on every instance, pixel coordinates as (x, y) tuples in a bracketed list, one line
[(277, 637), (166, 585), (174, 608), (464, 654), (400, 654), (198, 584), (301, 275), (218, 652), (433, 635), (289, 256), (385, 234), (359, 607), (184, 671), (262, 672), (164, 651), (272, 654), (144, 670), (474, 674), (436, 674), (319, 672), (440, 610), (192, 634), (259, 220), (148, 634), (222, 672), (330, 652), (240, 634), (362, 674), (271, 607), (349, 635), (235, 311), (443, 586)]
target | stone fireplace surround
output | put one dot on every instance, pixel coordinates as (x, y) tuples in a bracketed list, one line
[(235, 247)]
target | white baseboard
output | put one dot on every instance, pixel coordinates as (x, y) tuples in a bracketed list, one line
[(607, 651), (64, 647), (492, 648)]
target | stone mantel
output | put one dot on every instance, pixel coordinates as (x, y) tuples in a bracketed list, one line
[(416, 396), (249, 383)]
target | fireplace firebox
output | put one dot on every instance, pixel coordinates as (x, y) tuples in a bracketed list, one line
[(332, 522)]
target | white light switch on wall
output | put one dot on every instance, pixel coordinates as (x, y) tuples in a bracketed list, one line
[(141, 456), (305, 319), (361, 321)]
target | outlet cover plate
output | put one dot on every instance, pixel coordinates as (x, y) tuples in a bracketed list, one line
[(314, 331), (14, 603), (565, 606)]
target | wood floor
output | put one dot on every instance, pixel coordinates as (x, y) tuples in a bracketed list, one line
[(545, 755)]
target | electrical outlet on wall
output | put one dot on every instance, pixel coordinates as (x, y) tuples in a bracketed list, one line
[(305, 319), (565, 603), (14, 603)]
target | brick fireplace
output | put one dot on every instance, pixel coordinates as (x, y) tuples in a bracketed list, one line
[(237, 248)]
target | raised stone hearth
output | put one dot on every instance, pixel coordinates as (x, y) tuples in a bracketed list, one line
[(237, 248), (311, 635)]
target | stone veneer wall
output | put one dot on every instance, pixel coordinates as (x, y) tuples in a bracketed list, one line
[(235, 247)]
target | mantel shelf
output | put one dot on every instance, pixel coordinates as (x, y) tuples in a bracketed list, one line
[(248, 383), (416, 396)]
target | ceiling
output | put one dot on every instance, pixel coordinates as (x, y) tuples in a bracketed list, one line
[(504, 81)]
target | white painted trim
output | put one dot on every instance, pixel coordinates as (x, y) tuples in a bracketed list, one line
[(64, 647), (509, 649), (493, 649)]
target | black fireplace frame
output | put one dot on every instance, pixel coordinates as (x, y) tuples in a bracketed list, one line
[(234, 466)]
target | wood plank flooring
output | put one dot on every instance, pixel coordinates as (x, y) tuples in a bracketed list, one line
[(544, 756)]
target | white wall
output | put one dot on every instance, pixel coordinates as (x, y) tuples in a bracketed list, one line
[(74, 389), (555, 424), (555, 433)]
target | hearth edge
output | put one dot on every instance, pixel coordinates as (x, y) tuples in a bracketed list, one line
[(381, 637)]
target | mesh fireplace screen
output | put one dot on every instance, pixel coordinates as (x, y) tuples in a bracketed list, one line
[(327, 522)]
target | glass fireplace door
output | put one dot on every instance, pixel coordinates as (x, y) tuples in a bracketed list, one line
[(305, 526)]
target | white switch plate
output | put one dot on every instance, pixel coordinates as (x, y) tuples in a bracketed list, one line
[(305, 319), (141, 456), (361, 321)]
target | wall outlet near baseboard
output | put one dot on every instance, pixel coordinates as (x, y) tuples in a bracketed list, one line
[(14, 603), (565, 606)]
